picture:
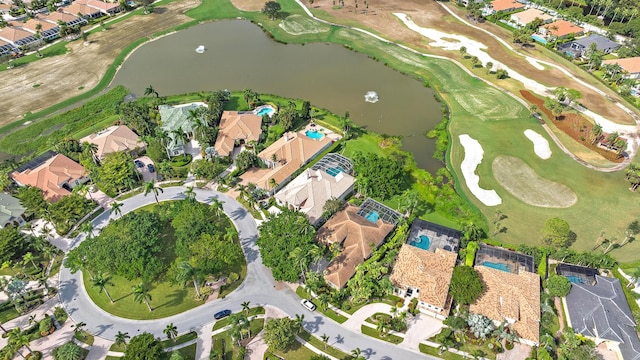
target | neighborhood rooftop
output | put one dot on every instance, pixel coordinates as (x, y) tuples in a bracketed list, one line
[(429, 272), (114, 139), (358, 237), (561, 28), (235, 126), (601, 311)]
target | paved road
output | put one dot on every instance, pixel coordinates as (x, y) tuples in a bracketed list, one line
[(258, 287)]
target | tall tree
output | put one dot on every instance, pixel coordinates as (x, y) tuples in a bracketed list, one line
[(140, 294), (271, 9), (186, 273), (171, 331), (280, 333), (466, 285), (143, 347), (101, 281), (150, 91), (121, 338), (116, 208), (150, 187), (557, 232)]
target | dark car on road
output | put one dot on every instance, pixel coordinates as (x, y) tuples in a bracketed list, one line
[(151, 168), (220, 314), (138, 163)]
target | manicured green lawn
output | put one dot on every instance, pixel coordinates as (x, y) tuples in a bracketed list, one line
[(297, 352), (433, 351), (374, 333), (231, 350), (303, 293), (226, 321), (319, 344)]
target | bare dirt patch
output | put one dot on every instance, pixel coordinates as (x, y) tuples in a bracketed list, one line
[(83, 67), (249, 5), (430, 14), (522, 182), (574, 125)]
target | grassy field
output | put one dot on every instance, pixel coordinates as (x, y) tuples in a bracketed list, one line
[(297, 352)]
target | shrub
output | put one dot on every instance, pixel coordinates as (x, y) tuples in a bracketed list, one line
[(558, 285), (46, 326), (472, 247), (542, 267), (233, 277)]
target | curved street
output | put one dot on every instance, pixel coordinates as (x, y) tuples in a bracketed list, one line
[(258, 287)]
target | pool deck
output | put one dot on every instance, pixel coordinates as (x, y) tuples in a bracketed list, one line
[(323, 130)]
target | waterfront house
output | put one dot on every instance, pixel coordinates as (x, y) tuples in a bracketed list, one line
[(177, 120), (237, 127), (58, 17), (283, 158), (308, 192), (17, 36)]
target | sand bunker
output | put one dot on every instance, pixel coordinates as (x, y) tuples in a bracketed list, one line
[(522, 182), (540, 144), (473, 154)]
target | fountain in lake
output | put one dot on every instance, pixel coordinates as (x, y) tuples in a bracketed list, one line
[(200, 49), (371, 96)]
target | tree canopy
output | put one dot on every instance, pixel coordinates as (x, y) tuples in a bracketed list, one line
[(128, 246), (280, 334), (279, 236), (379, 176), (558, 233), (466, 285), (558, 286), (143, 347), (271, 9), (116, 173)]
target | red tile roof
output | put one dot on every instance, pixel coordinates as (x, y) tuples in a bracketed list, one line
[(502, 5)]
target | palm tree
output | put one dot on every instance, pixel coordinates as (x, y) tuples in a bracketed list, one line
[(245, 307), (150, 91), (29, 258), (69, 351), (299, 321), (299, 256), (187, 272), (82, 190), (101, 281), (140, 294), (79, 328), (87, 227), (325, 340), (171, 331), (116, 208), (190, 194), (323, 299), (596, 132), (356, 353), (121, 338), (150, 186), (216, 206), (23, 339)]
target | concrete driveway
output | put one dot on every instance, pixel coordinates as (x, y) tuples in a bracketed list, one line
[(146, 175)]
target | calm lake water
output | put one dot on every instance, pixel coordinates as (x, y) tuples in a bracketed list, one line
[(239, 55)]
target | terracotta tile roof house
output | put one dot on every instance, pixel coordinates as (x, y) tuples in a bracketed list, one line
[(309, 191), (291, 151), (561, 29), (234, 126), (48, 30), (16, 36), (629, 65), (105, 7), (506, 5), (355, 234), (601, 312), (525, 17), (54, 174), (514, 297), (429, 272), (114, 139), (59, 16), (11, 211), (82, 9), (6, 8)]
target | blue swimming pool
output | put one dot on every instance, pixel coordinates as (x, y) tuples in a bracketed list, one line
[(576, 279), (539, 39), (499, 266), (334, 171), (421, 242), (267, 110), (313, 134), (373, 216)]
